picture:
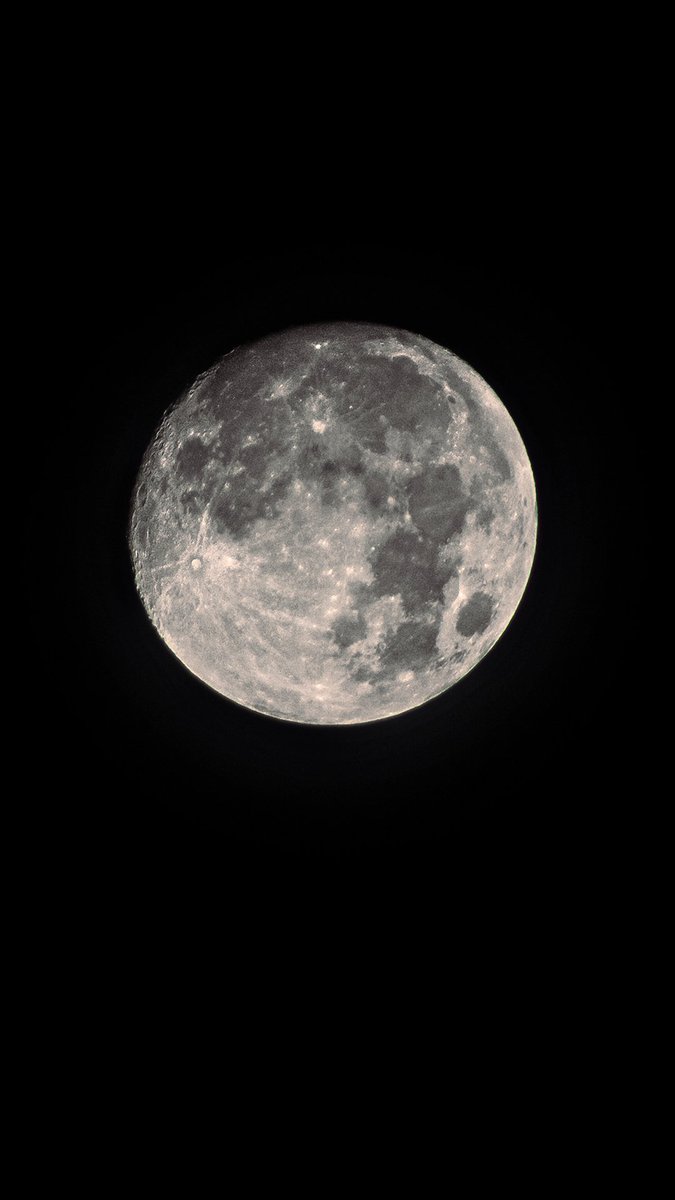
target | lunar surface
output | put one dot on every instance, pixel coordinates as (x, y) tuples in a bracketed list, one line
[(334, 524)]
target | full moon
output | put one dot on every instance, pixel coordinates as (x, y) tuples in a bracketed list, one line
[(334, 524)]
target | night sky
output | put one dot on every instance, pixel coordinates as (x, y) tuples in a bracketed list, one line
[(156, 783)]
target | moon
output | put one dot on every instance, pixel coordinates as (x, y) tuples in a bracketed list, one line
[(334, 524)]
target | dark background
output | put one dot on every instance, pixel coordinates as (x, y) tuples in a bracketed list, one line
[(493, 190), (153, 782)]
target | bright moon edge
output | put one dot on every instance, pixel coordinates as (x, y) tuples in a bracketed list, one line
[(335, 524)]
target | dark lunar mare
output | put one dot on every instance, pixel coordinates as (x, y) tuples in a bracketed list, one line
[(475, 614), (407, 564), (368, 397), (367, 394)]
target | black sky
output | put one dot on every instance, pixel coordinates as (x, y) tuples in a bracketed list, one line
[(151, 274)]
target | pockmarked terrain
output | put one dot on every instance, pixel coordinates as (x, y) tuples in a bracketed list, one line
[(334, 524)]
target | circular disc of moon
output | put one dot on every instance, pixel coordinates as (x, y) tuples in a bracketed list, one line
[(334, 524)]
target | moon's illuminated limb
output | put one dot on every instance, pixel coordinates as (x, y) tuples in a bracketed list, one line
[(334, 524)]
